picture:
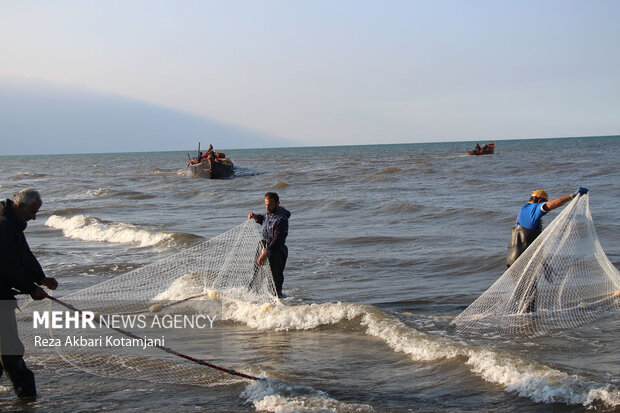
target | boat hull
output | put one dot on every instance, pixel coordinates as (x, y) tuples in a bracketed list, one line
[(490, 149), (221, 168)]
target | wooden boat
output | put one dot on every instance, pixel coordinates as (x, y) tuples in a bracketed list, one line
[(220, 167), (485, 150), (212, 165)]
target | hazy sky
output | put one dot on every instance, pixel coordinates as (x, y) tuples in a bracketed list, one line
[(319, 72)]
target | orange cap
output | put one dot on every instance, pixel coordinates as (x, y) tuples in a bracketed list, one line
[(540, 194)]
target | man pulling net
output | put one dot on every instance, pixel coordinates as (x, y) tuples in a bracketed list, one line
[(146, 321), (528, 226), (557, 278), (272, 246)]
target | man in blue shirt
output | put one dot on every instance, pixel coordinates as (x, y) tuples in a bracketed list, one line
[(528, 225), (527, 228)]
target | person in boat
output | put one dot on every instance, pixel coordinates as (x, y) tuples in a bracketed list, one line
[(20, 273), (275, 231), (203, 156), (208, 155), (477, 148), (484, 147), (528, 226)]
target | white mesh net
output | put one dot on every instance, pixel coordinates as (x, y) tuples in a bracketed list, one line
[(178, 289), (562, 280)]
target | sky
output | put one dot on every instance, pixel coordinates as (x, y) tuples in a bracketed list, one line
[(97, 76)]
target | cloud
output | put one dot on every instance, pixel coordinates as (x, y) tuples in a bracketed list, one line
[(41, 117)]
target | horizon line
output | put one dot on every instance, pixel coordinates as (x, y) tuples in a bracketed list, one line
[(321, 146)]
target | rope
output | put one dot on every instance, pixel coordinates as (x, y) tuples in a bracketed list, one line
[(198, 174), (166, 349)]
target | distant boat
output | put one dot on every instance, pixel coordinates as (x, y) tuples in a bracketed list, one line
[(218, 169), (217, 166), (485, 150)]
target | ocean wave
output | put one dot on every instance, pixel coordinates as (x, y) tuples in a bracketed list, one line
[(279, 396), (90, 193), (371, 240), (68, 211), (28, 175), (240, 172), (92, 229), (108, 193), (99, 269), (526, 378), (98, 192), (389, 170), (188, 194), (400, 206), (338, 204), (161, 171), (379, 178), (133, 195), (185, 172)]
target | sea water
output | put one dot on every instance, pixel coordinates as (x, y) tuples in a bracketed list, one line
[(387, 243)]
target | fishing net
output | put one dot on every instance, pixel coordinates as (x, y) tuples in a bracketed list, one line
[(177, 300), (562, 280)]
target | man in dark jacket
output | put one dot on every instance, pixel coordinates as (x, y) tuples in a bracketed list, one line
[(275, 231), (20, 273)]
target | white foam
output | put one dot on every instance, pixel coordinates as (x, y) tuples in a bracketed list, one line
[(278, 396), (526, 378), (284, 318), (97, 192), (529, 379), (605, 396), (90, 193), (91, 229)]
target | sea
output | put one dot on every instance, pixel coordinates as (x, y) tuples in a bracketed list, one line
[(387, 244)]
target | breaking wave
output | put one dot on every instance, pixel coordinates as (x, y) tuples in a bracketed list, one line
[(515, 374), (279, 396), (87, 228)]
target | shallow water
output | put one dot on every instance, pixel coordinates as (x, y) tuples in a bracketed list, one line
[(387, 244)]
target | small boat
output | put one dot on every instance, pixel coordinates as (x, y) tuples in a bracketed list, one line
[(485, 150), (218, 169), (217, 166)]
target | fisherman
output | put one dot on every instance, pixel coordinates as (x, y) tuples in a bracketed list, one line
[(20, 273), (275, 230), (528, 226), (477, 148), (209, 156)]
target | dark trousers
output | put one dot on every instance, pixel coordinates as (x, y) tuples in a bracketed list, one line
[(12, 353), (277, 262)]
